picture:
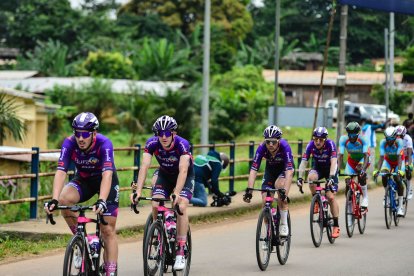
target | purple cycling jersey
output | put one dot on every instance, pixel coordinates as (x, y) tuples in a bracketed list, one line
[(169, 159), (98, 159), (283, 159), (322, 157)]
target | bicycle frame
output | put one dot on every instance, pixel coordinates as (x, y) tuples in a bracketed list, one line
[(390, 199), (356, 190)]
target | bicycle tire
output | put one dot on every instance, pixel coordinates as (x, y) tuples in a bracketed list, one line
[(388, 208), (264, 239), (394, 213), (349, 214), (148, 223), (329, 224), (362, 222), (97, 262), (187, 253), (405, 199), (283, 244), (71, 265), (154, 250), (316, 221)]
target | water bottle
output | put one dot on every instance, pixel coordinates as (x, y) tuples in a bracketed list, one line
[(170, 224), (325, 204), (94, 244)]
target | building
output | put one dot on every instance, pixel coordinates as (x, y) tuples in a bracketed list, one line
[(301, 87)]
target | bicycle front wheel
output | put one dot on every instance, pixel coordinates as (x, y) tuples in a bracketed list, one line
[(316, 221), (329, 223), (387, 207), (394, 213), (154, 250), (187, 255), (75, 261), (349, 214), (362, 222), (283, 245), (148, 223), (264, 239), (405, 199)]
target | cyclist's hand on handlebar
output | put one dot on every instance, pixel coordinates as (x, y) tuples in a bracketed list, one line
[(133, 197), (330, 181), (51, 205), (300, 182), (100, 206), (247, 196), (177, 199), (401, 173)]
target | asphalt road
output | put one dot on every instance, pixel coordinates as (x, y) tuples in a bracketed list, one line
[(228, 248)]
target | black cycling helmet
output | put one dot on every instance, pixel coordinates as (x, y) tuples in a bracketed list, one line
[(353, 128), (272, 131)]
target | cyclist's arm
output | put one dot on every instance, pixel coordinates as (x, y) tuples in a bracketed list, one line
[(334, 166), (302, 167), (366, 160), (252, 178), (410, 156), (400, 151), (380, 162), (182, 175), (340, 160), (289, 176), (58, 183), (142, 175), (105, 184)]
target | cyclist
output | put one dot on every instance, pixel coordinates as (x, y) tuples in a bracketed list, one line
[(325, 165), (278, 171), (408, 153), (391, 159), (93, 156), (358, 157), (175, 175), (207, 169)]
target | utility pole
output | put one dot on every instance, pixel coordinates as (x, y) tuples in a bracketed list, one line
[(391, 54), (277, 35), (386, 67), (341, 80), (206, 78)]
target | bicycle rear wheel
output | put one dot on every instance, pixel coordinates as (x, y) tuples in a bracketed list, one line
[(283, 245), (187, 254), (349, 214), (405, 199), (75, 260), (154, 250), (387, 207), (329, 224), (263, 239), (316, 221)]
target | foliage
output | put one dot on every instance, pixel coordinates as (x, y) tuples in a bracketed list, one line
[(186, 14), (48, 58), (10, 122), (399, 100), (239, 103), (109, 65), (160, 60), (407, 68), (41, 20)]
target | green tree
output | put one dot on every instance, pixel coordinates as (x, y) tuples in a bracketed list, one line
[(109, 65), (186, 14), (399, 100), (407, 68), (10, 122)]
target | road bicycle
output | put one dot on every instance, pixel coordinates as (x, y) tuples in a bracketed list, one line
[(406, 183), (353, 209), (267, 232), (390, 200), (160, 246), (80, 258), (320, 214)]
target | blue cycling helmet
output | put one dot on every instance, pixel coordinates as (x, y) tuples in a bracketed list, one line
[(320, 132), (85, 121), (164, 122), (272, 131)]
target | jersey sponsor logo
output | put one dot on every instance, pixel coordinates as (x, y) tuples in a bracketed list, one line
[(108, 158), (107, 164), (61, 164), (93, 160), (63, 153)]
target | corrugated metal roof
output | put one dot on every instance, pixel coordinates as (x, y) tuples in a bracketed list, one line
[(296, 77), (16, 75), (119, 86)]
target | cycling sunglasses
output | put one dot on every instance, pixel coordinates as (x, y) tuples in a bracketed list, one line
[(352, 135), (271, 141), (316, 139), (84, 135), (166, 133), (389, 139)]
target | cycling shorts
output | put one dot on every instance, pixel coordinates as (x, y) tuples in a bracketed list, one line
[(165, 184)]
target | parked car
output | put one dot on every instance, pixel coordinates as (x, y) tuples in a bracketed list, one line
[(357, 112), (334, 105), (395, 118)]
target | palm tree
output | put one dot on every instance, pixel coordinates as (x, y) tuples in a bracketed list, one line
[(9, 121)]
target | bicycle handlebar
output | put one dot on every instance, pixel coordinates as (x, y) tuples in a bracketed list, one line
[(351, 175), (156, 199), (282, 192), (74, 208)]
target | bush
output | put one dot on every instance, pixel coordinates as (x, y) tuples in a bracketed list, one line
[(109, 65), (398, 101)]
